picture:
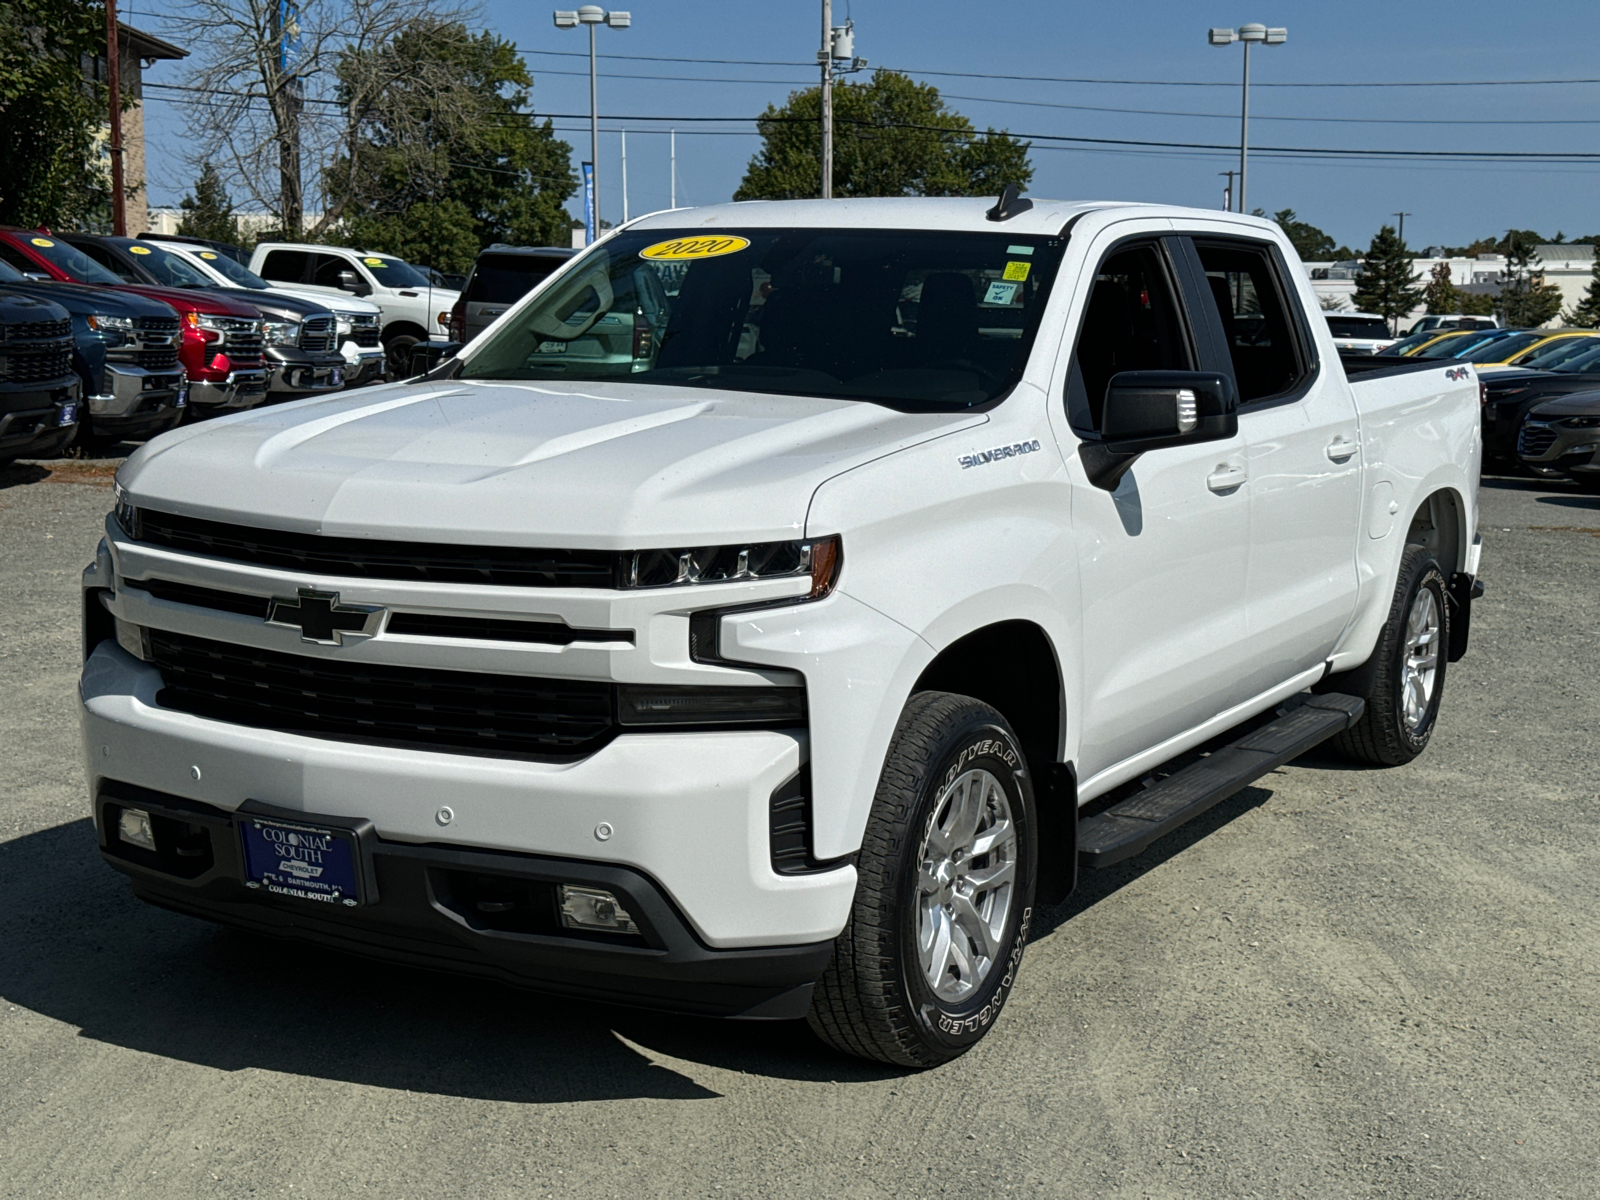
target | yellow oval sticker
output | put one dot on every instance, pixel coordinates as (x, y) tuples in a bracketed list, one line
[(207, 254), (374, 262), (140, 249), (43, 242), (687, 248)]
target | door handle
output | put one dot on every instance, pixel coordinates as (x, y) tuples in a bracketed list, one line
[(1342, 448), (1226, 477), (490, 312)]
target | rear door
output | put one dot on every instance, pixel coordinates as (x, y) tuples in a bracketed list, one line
[(1298, 418), (1162, 558)]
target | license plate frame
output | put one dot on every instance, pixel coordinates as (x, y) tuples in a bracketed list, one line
[(305, 857)]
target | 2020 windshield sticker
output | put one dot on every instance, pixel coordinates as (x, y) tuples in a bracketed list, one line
[(374, 262), (689, 248), (982, 457)]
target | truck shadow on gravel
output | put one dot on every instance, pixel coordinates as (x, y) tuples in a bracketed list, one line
[(75, 946)]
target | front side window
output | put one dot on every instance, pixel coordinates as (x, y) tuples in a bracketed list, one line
[(922, 319), (328, 268), (1131, 324), (1255, 323)]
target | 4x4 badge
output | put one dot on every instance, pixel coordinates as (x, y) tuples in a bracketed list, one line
[(321, 618)]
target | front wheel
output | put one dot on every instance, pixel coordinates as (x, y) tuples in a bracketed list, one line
[(945, 891), (1408, 682)]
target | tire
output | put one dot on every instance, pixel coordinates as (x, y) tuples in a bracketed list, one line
[(950, 755), (1390, 732), (397, 352)]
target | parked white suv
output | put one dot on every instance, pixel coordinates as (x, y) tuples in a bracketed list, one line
[(360, 323), (414, 310), (762, 662)]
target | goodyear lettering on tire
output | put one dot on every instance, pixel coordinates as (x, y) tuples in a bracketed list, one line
[(685, 249)]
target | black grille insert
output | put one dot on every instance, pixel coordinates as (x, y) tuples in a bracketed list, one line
[(500, 715), (363, 558)]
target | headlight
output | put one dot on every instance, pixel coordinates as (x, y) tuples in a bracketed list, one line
[(114, 331), (342, 324), (281, 333), (818, 557), (1580, 422), (128, 516)]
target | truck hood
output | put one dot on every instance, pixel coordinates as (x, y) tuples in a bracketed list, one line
[(613, 466)]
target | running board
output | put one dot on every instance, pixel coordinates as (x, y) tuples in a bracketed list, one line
[(1126, 828)]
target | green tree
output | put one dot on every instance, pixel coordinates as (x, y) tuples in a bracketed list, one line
[(1386, 282), (52, 170), (209, 213), (892, 136), (1441, 295), (1476, 304), (1586, 312), (1310, 243), (1526, 301), (446, 159)]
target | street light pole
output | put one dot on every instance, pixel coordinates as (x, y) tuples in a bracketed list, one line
[(1249, 35), (825, 59), (593, 16), (1402, 229), (119, 201)]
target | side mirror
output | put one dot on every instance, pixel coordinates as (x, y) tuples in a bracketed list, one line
[(351, 282), (1151, 410)]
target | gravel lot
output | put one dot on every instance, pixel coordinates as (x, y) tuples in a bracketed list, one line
[(1342, 983)]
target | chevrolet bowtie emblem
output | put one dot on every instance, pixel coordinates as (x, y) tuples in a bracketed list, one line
[(320, 617)]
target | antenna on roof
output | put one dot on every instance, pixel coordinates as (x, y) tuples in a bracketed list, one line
[(1009, 205)]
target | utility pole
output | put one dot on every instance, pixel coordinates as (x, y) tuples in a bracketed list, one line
[(624, 176), (825, 59), (1227, 192), (1402, 230), (673, 168), (284, 22), (119, 201)]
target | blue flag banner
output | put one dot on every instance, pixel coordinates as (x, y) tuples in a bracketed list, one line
[(590, 224)]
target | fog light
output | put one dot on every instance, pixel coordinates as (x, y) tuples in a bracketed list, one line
[(591, 908), (135, 639), (133, 827)]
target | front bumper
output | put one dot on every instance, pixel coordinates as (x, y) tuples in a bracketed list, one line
[(137, 401), (296, 373), (240, 389), (426, 908), (363, 363), (38, 420), (1553, 446), (691, 810)]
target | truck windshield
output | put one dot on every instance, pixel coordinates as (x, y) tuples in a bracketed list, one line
[(923, 319), (234, 272), (73, 261), (395, 272), (169, 269)]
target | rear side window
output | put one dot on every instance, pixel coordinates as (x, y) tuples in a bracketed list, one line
[(507, 278), (1267, 358), (286, 266), (1131, 324), (1357, 327)]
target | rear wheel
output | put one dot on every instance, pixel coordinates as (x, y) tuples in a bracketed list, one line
[(945, 893), (397, 352), (1408, 679)]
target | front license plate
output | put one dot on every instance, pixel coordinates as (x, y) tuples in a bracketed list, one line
[(304, 861), (68, 416), (336, 377)]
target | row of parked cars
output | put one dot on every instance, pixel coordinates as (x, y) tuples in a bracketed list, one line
[(106, 338), (1541, 386)]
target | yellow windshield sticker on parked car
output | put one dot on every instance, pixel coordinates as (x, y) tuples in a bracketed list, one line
[(139, 249), (207, 254), (374, 262), (683, 249), (43, 242), (1016, 271)]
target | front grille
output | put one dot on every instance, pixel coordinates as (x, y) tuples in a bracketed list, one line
[(244, 349), (162, 359), (404, 624), (318, 335), (362, 558), (365, 336), (1535, 440), (503, 715), (26, 331), (156, 324), (36, 366)]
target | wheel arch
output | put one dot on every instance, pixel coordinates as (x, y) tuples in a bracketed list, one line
[(403, 328), (1440, 523)]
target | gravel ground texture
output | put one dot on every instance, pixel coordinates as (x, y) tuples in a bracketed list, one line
[(1342, 983)]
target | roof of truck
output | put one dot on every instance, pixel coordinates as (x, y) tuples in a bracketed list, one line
[(912, 212)]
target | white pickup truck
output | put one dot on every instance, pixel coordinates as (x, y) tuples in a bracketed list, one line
[(774, 647)]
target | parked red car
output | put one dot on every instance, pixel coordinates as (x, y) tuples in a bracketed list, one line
[(222, 338)]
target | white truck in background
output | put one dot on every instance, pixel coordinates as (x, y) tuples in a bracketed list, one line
[(774, 653)]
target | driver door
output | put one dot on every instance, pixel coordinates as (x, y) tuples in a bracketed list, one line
[(1163, 558)]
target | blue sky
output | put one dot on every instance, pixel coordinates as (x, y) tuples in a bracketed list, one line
[(1153, 40)]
